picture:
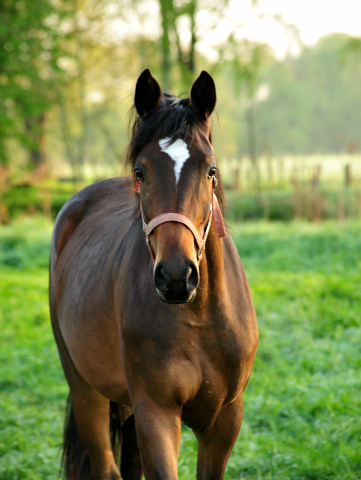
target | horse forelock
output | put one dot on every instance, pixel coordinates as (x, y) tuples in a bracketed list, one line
[(173, 119)]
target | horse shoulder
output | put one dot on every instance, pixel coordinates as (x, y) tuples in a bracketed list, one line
[(236, 278), (240, 298), (68, 219), (75, 209)]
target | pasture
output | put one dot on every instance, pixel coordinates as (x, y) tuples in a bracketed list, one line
[(302, 406)]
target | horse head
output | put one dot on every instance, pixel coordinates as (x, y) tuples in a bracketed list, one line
[(174, 169)]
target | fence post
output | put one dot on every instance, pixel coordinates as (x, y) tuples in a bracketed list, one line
[(236, 179), (348, 176), (316, 173)]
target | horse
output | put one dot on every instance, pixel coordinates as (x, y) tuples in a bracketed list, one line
[(150, 305)]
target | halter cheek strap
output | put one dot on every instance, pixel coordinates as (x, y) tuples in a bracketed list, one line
[(214, 211)]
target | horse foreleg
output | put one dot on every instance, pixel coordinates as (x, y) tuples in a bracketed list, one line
[(215, 444), (131, 466), (91, 412), (158, 432)]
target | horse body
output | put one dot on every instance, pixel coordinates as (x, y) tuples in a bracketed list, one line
[(187, 358)]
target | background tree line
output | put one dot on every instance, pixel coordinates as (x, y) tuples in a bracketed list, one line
[(314, 103), (67, 73)]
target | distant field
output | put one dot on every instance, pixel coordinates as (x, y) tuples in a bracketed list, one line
[(328, 202), (304, 187), (281, 170), (302, 406)]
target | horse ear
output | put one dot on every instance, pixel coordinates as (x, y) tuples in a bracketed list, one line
[(203, 95), (147, 94)]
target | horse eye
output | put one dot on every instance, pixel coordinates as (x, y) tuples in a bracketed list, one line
[(212, 171), (138, 173)]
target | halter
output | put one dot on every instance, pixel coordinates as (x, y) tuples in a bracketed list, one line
[(214, 211)]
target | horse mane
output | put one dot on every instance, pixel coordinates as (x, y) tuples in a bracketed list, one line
[(173, 118)]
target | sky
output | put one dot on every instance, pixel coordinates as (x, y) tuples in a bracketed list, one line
[(313, 18)]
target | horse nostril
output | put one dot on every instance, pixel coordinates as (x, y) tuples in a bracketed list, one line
[(192, 278), (159, 278)]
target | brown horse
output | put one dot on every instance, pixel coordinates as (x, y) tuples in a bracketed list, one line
[(151, 338)]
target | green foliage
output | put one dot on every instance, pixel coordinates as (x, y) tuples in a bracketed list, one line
[(18, 199), (67, 81), (245, 206), (302, 404), (314, 103), (25, 245), (249, 59), (27, 198), (29, 50), (351, 51), (177, 55)]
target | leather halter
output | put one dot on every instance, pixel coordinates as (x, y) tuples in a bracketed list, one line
[(214, 211)]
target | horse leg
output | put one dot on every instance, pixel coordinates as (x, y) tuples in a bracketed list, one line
[(87, 433), (131, 466), (158, 432), (215, 444), (91, 411)]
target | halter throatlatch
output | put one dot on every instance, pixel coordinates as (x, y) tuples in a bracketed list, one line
[(214, 211)]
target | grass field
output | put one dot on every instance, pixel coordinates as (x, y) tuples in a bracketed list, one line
[(302, 406)]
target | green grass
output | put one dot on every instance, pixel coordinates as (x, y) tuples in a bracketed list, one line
[(303, 401), (302, 405), (32, 386)]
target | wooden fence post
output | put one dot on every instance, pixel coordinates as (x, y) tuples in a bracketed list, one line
[(348, 176)]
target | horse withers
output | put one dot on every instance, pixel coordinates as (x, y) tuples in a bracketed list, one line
[(158, 332)]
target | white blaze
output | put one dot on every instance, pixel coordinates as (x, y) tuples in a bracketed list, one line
[(178, 152)]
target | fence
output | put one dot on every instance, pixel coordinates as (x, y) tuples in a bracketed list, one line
[(282, 188)]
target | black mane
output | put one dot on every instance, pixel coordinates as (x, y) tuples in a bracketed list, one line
[(173, 118)]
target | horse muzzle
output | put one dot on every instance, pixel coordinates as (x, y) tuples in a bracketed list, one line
[(176, 280)]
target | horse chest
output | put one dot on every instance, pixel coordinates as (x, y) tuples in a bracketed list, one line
[(223, 370), (221, 357)]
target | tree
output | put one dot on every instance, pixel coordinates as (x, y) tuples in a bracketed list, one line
[(247, 60), (178, 19), (98, 66), (314, 105), (29, 53)]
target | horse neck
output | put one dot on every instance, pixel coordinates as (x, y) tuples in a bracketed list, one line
[(211, 268)]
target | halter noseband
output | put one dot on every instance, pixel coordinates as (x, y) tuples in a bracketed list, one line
[(214, 211)]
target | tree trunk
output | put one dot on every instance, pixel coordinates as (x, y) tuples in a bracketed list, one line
[(252, 148), (35, 128), (167, 14)]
